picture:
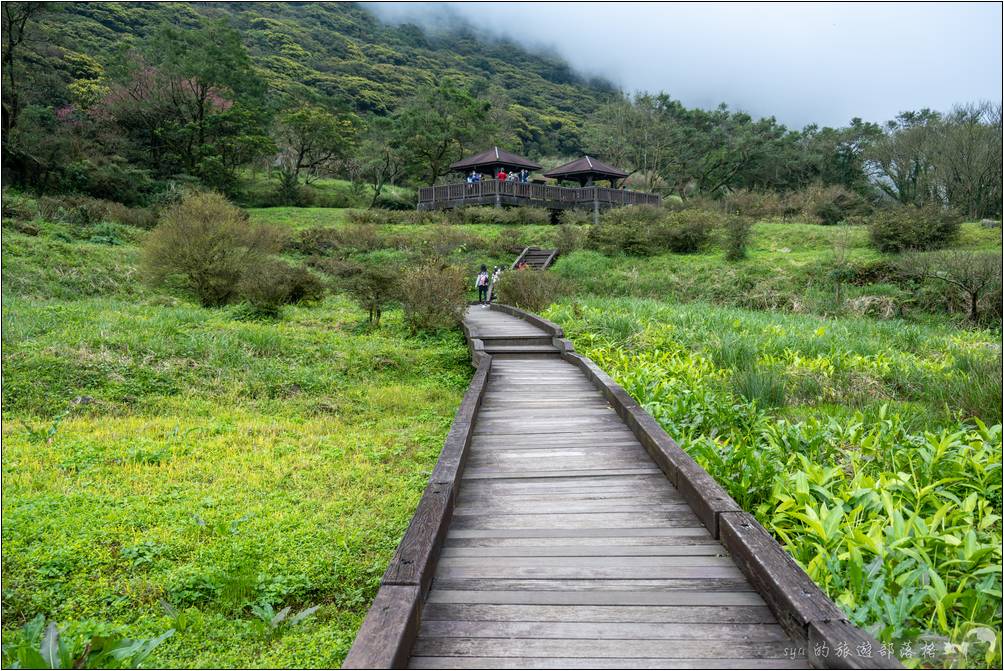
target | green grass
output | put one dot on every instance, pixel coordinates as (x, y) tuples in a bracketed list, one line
[(156, 450)]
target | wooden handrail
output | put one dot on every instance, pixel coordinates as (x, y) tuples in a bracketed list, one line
[(544, 193)]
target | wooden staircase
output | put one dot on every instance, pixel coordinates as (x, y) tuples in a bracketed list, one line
[(536, 258)]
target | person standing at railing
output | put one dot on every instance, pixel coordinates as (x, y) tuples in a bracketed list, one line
[(501, 175)]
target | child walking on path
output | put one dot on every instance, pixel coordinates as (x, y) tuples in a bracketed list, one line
[(482, 284)]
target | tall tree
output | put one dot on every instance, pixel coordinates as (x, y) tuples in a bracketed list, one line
[(901, 163), (967, 157), (437, 127), (310, 139)]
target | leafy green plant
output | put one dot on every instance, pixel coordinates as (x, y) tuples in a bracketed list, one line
[(40, 646), (274, 620)]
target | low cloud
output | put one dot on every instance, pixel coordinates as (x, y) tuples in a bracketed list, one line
[(802, 63)]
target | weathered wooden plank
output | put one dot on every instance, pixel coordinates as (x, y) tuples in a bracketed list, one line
[(385, 639), (487, 474), (574, 521), (569, 507), (467, 662), (602, 630), (790, 592), (699, 571), (667, 536), (573, 562), (414, 560), (702, 547), (599, 598), (734, 584), (616, 613), (530, 647), (561, 533)]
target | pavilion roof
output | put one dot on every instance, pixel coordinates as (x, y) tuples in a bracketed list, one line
[(492, 158), (585, 166)]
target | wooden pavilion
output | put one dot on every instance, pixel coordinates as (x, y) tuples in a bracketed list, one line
[(586, 171), (491, 161)]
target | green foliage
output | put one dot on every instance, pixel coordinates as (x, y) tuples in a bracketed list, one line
[(531, 290), (206, 245), (900, 229), (686, 231), (899, 525), (737, 234), (374, 286), (275, 283), (433, 296), (37, 646)]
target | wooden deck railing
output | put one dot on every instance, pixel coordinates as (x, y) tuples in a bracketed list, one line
[(543, 194)]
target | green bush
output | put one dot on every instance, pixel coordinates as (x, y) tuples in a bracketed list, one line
[(373, 285), (326, 240), (568, 238), (205, 245), (625, 229), (686, 231), (737, 234), (434, 296), (531, 290), (756, 204), (276, 283), (899, 229)]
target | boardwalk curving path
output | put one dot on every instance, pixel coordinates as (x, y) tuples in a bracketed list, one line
[(569, 548)]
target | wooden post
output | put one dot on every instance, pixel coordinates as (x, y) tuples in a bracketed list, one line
[(596, 207)]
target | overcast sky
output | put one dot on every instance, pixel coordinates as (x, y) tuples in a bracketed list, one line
[(802, 63)]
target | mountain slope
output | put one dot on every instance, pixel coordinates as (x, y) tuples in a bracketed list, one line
[(341, 55)]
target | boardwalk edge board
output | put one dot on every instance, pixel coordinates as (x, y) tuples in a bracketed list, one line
[(387, 635)]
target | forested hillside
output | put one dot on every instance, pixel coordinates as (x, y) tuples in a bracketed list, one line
[(125, 101)]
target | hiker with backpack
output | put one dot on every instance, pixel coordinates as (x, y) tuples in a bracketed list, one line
[(484, 279)]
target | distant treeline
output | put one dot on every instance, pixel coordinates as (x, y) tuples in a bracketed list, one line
[(122, 101)]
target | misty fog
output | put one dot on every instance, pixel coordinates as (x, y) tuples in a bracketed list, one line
[(802, 63)]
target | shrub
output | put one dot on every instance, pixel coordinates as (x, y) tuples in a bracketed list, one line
[(206, 245), (575, 217), (685, 231), (900, 229), (434, 296), (531, 290), (973, 278), (753, 204), (276, 283), (373, 286), (326, 240), (737, 235), (568, 238), (625, 229), (832, 204), (138, 217)]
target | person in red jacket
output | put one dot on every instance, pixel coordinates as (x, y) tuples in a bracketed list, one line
[(502, 175)]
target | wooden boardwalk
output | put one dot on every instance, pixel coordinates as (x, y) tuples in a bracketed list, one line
[(569, 548)]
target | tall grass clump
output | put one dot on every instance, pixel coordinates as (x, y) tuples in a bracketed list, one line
[(737, 235), (762, 386)]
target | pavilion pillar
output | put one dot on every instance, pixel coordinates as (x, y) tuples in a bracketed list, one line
[(596, 206)]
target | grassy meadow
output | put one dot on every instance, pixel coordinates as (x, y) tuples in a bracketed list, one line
[(169, 466), (159, 452)]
